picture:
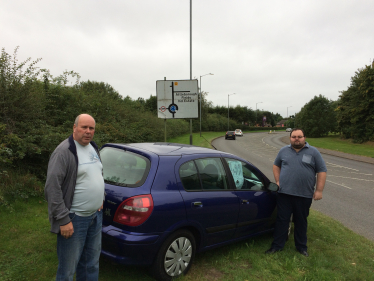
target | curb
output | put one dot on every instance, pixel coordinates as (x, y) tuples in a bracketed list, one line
[(359, 158)]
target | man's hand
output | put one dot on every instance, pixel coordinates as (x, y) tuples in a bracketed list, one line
[(321, 180), (102, 205), (317, 195), (67, 230)]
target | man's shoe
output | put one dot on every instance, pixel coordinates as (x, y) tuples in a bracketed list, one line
[(272, 251), (304, 253)]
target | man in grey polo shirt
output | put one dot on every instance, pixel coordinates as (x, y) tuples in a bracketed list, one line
[(295, 169)]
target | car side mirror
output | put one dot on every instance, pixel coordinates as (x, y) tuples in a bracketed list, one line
[(273, 187)]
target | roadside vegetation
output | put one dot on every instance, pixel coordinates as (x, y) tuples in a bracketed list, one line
[(335, 142), (37, 112)]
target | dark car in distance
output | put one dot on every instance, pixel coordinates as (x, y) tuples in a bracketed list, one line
[(165, 202), (230, 135)]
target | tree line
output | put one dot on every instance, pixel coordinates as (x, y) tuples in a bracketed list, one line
[(352, 115), (37, 112)]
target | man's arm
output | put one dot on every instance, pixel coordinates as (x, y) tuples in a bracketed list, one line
[(276, 172), (321, 180), (53, 193)]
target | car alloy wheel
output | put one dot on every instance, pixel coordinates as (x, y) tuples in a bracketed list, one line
[(175, 256)]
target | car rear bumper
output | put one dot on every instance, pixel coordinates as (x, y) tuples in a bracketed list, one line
[(129, 247)]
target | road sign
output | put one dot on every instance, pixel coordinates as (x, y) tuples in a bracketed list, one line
[(177, 98)]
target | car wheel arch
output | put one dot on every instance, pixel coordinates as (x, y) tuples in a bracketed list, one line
[(196, 232)]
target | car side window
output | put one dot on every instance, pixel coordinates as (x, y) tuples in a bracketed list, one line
[(189, 176), (212, 174), (243, 175)]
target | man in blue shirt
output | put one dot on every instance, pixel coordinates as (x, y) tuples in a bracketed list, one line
[(295, 169)]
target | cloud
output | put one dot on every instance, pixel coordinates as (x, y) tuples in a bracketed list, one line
[(280, 53)]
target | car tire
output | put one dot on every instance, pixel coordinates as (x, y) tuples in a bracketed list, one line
[(175, 256)]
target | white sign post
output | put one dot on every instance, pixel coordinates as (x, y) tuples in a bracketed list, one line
[(177, 99)]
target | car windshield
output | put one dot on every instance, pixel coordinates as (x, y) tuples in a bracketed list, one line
[(230, 132), (124, 168)]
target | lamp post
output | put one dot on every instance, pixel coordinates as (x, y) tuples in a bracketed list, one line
[(201, 97), (228, 110), (256, 111), (287, 110)]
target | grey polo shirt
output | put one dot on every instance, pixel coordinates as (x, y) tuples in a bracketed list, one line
[(299, 169)]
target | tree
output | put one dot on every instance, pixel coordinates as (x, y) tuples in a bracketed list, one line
[(355, 108), (317, 117), (151, 105)]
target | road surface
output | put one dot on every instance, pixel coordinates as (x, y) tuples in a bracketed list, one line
[(349, 191)]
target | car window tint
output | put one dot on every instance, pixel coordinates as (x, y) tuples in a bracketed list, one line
[(243, 175), (189, 176), (123, 167), (212, 174)]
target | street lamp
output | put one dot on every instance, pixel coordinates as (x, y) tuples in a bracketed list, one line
[(287, 110), (201, 97), (228, 110), (256, 111)]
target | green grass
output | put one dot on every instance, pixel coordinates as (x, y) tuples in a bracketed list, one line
[(28, 249), (203, 141), (334, 142), (28, 252)]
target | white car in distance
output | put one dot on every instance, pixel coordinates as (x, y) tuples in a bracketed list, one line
[(238, 133)]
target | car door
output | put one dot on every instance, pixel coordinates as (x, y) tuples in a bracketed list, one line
[(257, 204), (209, 201)]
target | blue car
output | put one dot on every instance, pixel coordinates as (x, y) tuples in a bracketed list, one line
[(165, 202)]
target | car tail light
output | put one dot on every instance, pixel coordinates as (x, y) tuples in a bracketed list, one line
[(134, 210)]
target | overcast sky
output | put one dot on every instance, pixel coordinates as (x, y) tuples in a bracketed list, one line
[(281, 53)]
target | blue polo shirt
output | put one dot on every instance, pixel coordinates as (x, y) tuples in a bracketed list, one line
[(299, 169)]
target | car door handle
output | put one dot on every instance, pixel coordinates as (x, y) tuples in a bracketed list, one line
[(197, 204), (245, 201)]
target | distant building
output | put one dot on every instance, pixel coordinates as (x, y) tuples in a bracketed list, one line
[(281, 123)]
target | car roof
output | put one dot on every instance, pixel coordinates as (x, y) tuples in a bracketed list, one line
[(166, 148)]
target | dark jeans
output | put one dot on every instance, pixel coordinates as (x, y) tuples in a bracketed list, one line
[(80, 253), (299, 207)]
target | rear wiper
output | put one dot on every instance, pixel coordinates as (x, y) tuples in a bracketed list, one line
[(115, 183)]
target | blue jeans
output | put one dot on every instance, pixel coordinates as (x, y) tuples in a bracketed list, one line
[(80, 253)]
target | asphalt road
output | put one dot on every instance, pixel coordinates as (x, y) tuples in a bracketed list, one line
[(349, 191)]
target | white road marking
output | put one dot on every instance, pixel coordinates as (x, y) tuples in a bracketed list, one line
[(350, 178), (339, 184), (352, 173), (334, 165)]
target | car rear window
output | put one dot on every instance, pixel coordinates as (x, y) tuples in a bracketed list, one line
[(124, 168)]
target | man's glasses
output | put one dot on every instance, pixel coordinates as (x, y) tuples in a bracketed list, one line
[(299, 137)]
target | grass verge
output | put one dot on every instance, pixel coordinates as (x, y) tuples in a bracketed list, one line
[(28, 252), (28, 249), (334, 142)]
